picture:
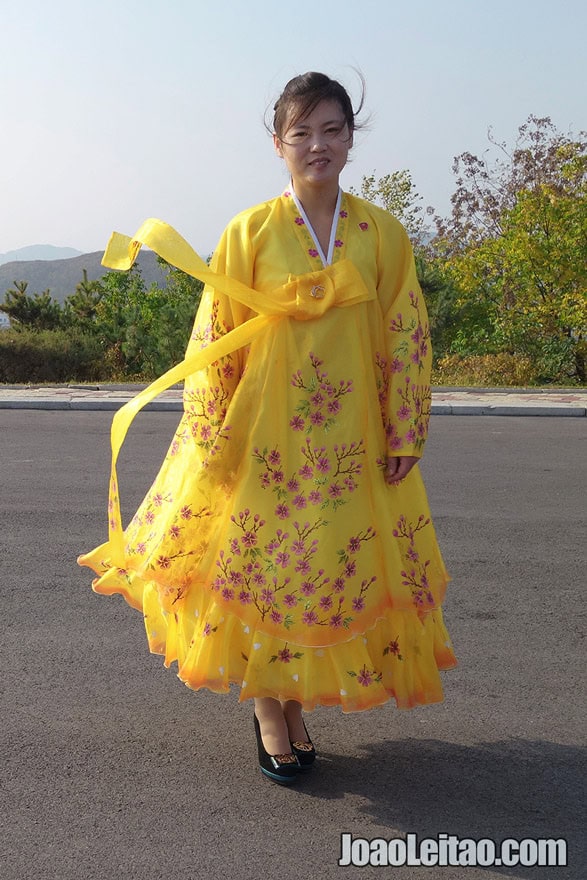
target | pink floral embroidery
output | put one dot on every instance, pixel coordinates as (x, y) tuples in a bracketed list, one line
[(415, 576), (366, 677), (338, 243), (343, 214), (297, 423), (300, 221), (313, 252), (285, 655), (393, 648)]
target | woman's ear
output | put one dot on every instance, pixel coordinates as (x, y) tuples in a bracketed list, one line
[(277, 145)]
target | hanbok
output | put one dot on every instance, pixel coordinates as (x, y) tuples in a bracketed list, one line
[(270, 553)]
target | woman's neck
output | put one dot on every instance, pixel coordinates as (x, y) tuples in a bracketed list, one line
[(318, 202)]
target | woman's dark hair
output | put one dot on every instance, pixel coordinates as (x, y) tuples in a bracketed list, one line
[(303, 93)]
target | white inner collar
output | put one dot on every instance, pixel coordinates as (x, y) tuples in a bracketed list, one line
[(326, 258)]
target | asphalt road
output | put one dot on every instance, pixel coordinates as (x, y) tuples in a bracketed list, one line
[(111, 768)]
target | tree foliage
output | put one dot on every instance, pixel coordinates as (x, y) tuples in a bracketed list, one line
[(39, 311), (515, 245), (141, 331), (397, 194)]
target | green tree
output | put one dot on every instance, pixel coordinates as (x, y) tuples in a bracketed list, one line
[(145, 331), (397, 194), (516, 247), (80, 308), (37, 312)]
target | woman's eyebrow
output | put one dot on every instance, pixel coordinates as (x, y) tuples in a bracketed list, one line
[(339, 121)]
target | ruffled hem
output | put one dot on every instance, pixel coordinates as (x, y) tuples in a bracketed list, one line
[(399, 658)]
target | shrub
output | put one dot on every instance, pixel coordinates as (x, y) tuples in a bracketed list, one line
[(51, 356), (501, 369)]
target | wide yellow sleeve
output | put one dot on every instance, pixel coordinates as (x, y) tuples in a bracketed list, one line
[(217, 315), (407, 343)]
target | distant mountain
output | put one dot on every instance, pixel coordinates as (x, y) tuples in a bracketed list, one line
[(61, 277), (39, 252)]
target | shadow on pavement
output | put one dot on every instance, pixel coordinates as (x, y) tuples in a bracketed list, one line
[(515, 788)]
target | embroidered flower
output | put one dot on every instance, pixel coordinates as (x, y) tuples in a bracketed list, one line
[(282, 511), (343, 214), (303, 566), (300, 221), (290, 600), (282, 559), (358, 603), (309, 618), (297, 423), (317, 418), (249, 539), (313, 252), (365, 677), (338, 243), (350, 568), (363, 226)]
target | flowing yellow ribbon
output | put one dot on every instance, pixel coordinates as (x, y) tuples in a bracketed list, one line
[(303, 297)]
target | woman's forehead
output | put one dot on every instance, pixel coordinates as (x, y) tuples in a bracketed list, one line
[(325, 111)]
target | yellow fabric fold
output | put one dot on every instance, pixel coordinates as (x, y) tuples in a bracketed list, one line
[(304, 297)]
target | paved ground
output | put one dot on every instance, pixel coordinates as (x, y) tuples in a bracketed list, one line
[(112, 769), (445, 401)]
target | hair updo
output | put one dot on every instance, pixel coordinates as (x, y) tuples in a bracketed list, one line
[(303, 93)]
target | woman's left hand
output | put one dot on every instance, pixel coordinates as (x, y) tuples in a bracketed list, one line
[(399, 467)]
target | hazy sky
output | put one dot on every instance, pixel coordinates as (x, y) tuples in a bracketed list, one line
[(116, 110)]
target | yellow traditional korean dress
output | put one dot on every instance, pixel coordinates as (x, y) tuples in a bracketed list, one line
[(270, 552)]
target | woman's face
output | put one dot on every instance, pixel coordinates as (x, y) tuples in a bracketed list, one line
[(316, 147)]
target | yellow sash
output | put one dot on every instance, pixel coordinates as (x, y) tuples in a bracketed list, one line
[(303, 297)]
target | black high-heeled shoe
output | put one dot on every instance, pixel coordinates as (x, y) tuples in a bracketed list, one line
[(304, 751), (279, 768)]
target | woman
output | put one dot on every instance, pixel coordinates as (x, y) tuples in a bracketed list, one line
[(286, 544)]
